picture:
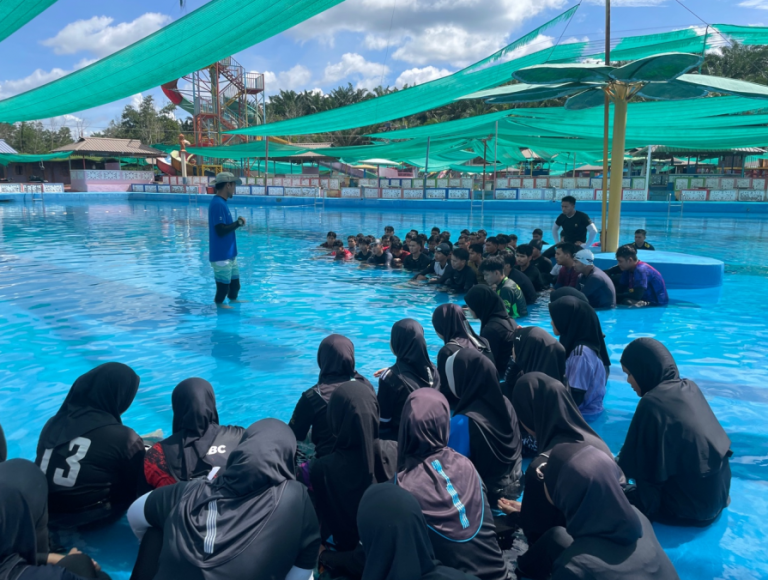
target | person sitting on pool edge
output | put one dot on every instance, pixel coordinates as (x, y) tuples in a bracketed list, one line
[(593, 282), (222, 241), (417, 260), (509, 292), (459, 278), (523, 254), (640, 243), (438, 266), (330, 237), (564, 254), (640, 283), (379, 256)]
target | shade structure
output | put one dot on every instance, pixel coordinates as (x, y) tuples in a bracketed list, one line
[(6, 158), (16, 13)]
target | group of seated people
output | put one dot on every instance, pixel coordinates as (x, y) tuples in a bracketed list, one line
[(519, 273), (418, 479)]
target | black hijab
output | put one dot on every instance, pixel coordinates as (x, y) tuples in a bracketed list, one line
[(410, 348), (357, 461), (578, 324), (30, 481), (674, 430), (584, 485), (244, 496), (424, 462), (485, 303), (336, 359), (545, 406), (452, 326), (394, 536), (567, 291), (538, 351), (472, 378), (97, 399), (3, 446), (17, 534)]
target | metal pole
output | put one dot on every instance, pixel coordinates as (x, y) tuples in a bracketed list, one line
[(606, 121), (426, 170), (495, 151), (485, 149), (266, 160), (648, 172), (617, 166), (574, 167)]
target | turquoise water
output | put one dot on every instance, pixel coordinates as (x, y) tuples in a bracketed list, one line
[(81, 284)]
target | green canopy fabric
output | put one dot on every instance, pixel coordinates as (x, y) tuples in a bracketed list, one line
[(747, 35), (280, 167), (6, 158), (252, 150), (16, 13), (211, 33)]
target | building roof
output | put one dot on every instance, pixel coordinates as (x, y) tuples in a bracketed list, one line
[(5, 148), (108, 147)]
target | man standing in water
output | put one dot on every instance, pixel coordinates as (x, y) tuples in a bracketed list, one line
[(221, 235)]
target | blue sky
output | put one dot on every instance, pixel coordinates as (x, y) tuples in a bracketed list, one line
[(364, 42)]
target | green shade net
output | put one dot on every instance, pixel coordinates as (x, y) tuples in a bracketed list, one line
[(211, 33), (474, 124), (6, 158), (16, 13), (165, 148), (280, 167), (474, 169), (748, 35), (254, 149)]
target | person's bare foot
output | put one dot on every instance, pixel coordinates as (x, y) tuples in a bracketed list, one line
[(226, 306)]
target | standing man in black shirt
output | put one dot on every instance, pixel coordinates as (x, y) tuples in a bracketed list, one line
[(459, 277), (577, 226), (417, 261)]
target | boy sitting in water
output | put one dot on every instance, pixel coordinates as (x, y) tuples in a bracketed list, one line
[(330, 238), (475, 259), (510, 293), (432, 246), (352, 244), (438, 266), (567, 276), (380, 256), (640, 243), (398, 253), (417, 260), (640, 283), (364, 253), (459, 277), (340, 252)]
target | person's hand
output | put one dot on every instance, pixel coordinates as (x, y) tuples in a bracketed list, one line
[(509, 506), (493, 287), (241, 221), (73, 551), (54, 558), (379, 372)]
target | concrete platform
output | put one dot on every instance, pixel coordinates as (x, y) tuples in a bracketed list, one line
[(680, 271)]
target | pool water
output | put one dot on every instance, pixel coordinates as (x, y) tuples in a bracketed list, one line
[(85, 283)]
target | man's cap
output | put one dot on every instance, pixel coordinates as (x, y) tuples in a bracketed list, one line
[(444, 249), (585, 257), (226, 177)]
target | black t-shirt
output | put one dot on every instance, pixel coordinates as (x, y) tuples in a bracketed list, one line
[(574, 227), (459, 280), (291, 537), (391, 395), (500, 335), (385, 259), (544, 266), (525, 284), (533, 274), (363, 257), (645, 246), (312, 412), (416, 264), (100, 471)]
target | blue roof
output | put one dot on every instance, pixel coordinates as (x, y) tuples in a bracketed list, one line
[(5, 148)]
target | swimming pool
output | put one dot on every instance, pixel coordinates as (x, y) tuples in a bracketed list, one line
[(81, 284)]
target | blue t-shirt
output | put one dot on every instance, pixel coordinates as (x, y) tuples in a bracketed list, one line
[(585, 371), (649, 279), (222, 248), (458, 440)]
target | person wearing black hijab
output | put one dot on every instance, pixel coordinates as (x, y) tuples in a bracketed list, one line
[(546, 410), (604, 537), (359, 459), (412, 370), (453, 328), (587, 364), (676, 450), (448, 489), (198, 443), (19, 554), (254, 520), (567, 291), (394, 537), (3, 446), (93, 463), (336, 359), (534, 350), (484, 425), (495, 324)]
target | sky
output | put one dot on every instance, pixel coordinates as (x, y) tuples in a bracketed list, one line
[(363, 42)]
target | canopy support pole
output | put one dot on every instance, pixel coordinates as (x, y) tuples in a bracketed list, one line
[(266, 160), (606, 120), (495, 152), (426, 170), (574, 166), (485, 154), (620, 97), (648, 172)]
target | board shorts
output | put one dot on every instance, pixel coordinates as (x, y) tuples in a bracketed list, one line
[(225, 271)]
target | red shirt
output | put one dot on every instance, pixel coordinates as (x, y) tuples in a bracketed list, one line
[(156, 468), (567, 277)]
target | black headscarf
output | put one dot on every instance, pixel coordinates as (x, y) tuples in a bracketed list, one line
[(423, 441), (545, 406), (195, 427), (244, 496), (3, 446), (97, 399), (30, 481), (674, 430), (538, 351), (452, 326), (578, 324), (584, 485), (394, 535), (410, 348), (357, 461), (485, 303), (17, 534), (472, 378), (568, 291), (336, 359)]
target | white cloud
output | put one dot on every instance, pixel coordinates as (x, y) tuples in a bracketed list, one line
[(290, 80), (136, 100), (417, 76), (39, 77), (97, 35), (351, 64), (448, 44), (376, 42), (758, 4)]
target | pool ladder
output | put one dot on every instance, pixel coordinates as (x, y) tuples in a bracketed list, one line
[(671, 204), (319, 199)]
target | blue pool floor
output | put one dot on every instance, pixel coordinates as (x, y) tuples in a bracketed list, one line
[(82, 284)]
